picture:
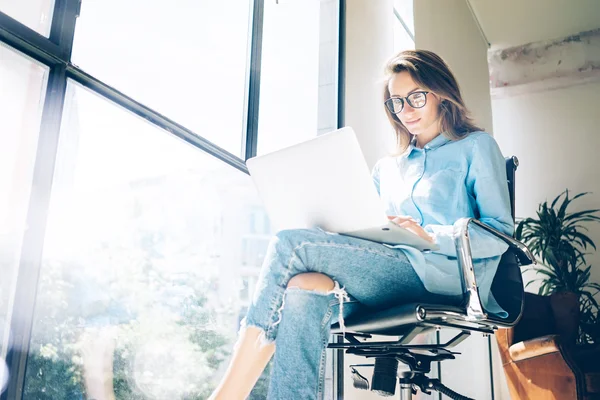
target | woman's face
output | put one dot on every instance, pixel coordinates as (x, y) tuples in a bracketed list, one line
[(422, 122)]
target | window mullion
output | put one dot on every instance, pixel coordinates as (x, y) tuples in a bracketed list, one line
[(252, 110), (406, 28), (21, 319), (338, 355), (154, 117), (63, 26)]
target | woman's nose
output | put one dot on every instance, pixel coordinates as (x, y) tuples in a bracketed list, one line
[(407, 110)]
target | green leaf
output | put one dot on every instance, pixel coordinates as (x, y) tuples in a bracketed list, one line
[(531, 282), (549, 274), (579, 195), (579, 214), (519, 231), (563, 207), (594, 285), (585, 239), (589, 297), (558, 197)]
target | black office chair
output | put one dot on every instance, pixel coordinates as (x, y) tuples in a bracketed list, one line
[(409, 320)]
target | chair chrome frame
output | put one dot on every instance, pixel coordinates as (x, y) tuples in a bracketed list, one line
[(462, 241)]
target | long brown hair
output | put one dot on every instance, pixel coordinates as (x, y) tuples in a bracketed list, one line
[(432, 74)]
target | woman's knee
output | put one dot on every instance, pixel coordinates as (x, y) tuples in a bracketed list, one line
[(294, 237), (312, 281)]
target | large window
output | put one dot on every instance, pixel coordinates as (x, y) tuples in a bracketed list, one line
[(299, 72), (404, 25), (140, 248), (184, 58), (131, 237), (22, 87)]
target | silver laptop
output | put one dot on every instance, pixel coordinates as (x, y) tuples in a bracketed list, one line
[(325, 182)]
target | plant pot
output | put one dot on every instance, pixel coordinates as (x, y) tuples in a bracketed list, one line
[(565, 307)]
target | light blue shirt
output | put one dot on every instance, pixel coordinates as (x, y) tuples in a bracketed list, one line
[(439, 184)]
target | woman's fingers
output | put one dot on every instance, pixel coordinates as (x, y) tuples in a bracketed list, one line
[(401, 218), (416, 229), (409, 223)]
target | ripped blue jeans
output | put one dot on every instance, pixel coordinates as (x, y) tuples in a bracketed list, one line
[(365, 274)]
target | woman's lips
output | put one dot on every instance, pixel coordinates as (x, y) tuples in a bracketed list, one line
[(412, 122)]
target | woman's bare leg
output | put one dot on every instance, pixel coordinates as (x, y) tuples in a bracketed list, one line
[(250, 357), (249, 360)]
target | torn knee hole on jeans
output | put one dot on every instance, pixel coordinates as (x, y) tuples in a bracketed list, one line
[(262, 340), (339, 292)]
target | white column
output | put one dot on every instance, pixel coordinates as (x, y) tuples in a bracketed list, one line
[(369, 44)]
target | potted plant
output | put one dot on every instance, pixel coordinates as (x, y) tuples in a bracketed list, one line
[(557, 239)]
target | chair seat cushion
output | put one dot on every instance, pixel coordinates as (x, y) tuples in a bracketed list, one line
[(394, 321)]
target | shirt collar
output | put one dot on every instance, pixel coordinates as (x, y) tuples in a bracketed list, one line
[(436, 142)]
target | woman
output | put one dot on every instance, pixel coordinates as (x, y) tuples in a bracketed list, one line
[(446, 169)]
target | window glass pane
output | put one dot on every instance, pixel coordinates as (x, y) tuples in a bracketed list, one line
[(185, 59), (22, 92), (142, 280), (298, 94), (402, 41), (36, 14), (405, 9)]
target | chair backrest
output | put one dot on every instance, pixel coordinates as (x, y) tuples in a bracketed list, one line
[(507, 286), (511, 167)]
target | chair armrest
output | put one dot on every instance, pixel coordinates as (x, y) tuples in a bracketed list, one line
[(522, 252), (534, 347), (465, 261)]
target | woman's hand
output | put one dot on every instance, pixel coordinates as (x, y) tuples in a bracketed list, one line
[(409, 223)]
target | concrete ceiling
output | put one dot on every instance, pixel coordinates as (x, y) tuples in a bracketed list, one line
[(508, 23)]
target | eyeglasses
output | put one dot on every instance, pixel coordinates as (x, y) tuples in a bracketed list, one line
[(416, 100)]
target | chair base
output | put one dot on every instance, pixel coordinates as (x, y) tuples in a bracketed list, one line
[(387, 355), (409, 381)]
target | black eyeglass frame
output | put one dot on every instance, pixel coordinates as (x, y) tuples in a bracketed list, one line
[(389, 106)]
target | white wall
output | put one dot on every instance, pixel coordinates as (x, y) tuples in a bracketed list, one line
[(449, 29), (556, 136)]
